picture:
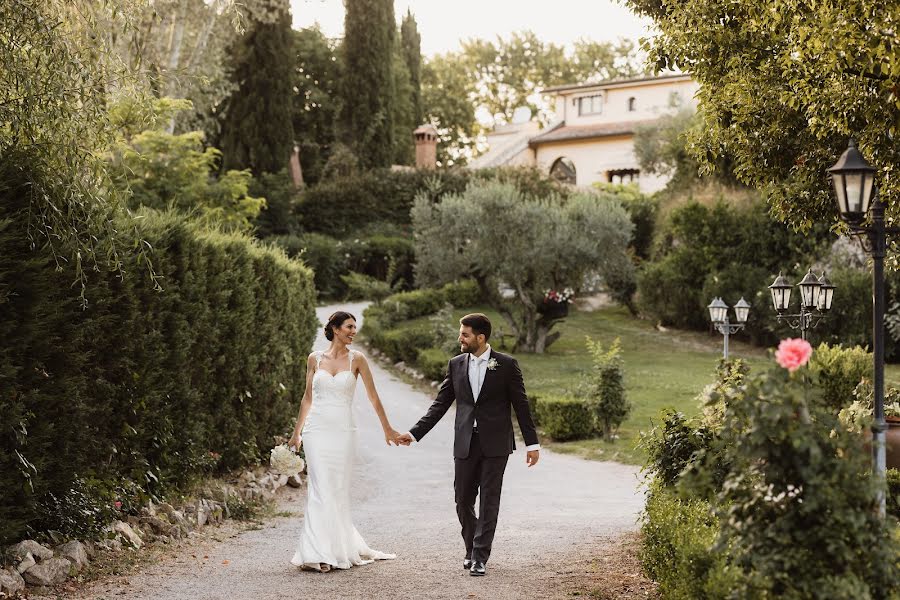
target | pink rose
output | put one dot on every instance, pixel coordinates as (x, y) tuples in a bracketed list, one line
[(118, 505), (793, 353)]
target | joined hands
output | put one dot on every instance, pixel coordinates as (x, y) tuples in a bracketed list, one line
[(396, 438)]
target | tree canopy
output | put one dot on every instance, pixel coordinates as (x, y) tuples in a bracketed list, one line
[(257, 120), (784, 84), (483, 83), (501, 237), (367, 88)]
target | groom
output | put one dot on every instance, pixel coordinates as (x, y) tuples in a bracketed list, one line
[(484, 384)]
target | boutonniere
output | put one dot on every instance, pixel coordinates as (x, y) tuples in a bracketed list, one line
[(493, 364)]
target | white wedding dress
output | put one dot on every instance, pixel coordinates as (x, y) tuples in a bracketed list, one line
[(329, 440)]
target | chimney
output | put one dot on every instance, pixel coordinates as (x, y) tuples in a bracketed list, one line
[(426, 147)]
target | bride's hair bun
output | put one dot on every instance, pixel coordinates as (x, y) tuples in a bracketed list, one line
[(336, 320)]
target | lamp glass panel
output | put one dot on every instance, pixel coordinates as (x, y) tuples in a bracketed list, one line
[(826, 296), (741, 314), (840, 191), (808, 295), (854, 186), (781, 298), (868, 181)]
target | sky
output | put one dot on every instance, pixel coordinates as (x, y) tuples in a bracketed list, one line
[(443, 23)]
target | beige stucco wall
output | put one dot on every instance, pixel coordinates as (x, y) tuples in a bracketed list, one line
[(595, 157), (652, 100)]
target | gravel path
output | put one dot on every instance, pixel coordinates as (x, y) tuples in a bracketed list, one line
[(550, 516)]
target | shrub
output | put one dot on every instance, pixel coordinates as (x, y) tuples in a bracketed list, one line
[(433, 363), (893, 492), (133, 394), (415, 303), (604, 388), (402, 343), (462, 293), (338, 205), (427, 301), (677, 546), (643, 210), (798, 500), (840, 370), (382, 257), (564, 418), (363, 287), (533, 408), (734, 251), (673, 446), (277, 217), (326, 256)]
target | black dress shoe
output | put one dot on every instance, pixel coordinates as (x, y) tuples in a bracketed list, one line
[(467, 564), (477, 569)]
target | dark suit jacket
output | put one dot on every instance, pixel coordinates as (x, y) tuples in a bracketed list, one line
[(503, 388)]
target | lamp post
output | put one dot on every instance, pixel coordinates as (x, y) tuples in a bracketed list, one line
[(718, 314), (854, 187), (816, 295)]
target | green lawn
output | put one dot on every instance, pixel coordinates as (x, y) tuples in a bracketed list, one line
[(662, 369)]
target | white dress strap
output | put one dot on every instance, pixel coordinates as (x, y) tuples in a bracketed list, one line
[(319, 355)]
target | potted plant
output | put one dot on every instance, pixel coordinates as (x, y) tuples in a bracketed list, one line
[(859, 414), (556, 303)]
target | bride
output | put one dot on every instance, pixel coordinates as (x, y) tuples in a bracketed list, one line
[(329, 539)]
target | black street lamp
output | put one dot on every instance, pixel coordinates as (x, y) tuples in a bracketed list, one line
[(718, 314), (854, 187), (816, 295)]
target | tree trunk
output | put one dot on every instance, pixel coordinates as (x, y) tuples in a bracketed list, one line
[(174, 58)]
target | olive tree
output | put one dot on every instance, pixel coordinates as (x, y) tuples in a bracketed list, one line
[(524, 245)]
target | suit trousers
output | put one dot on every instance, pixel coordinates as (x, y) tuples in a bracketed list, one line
[(482, 476)]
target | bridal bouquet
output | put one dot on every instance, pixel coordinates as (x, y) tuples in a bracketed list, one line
[(283, 460)]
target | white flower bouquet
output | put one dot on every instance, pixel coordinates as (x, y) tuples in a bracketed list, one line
[(283, 460)]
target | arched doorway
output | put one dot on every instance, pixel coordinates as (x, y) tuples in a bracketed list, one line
[(563, 170)]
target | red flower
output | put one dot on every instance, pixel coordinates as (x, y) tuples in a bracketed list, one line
[(118, 505)]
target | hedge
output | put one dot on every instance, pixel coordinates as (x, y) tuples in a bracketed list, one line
[(144, 389), (339, 206), (564, 418), (427, 301), (433, 363), (386, 258), (677, 540)]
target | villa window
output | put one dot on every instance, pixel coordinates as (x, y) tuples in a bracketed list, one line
[(563, 170), (623, 176), (590, 105), (632, 104)]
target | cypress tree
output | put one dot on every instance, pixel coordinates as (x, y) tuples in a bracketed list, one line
[(368, 85), (411, 43), (403, 112), (257, 130)]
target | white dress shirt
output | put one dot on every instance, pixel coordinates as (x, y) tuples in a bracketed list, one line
[(477, 372)]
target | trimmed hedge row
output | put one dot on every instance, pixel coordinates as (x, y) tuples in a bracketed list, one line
[(427, 301), (144, 389), (414, 343), (564, 418)]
